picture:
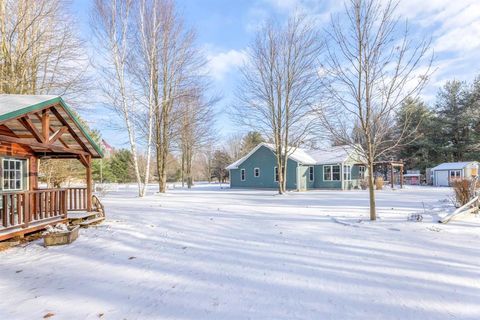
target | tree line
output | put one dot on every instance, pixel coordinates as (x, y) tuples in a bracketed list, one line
[(447, 130), (356, 82)]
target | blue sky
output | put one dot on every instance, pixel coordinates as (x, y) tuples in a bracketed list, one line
[(225, 29)]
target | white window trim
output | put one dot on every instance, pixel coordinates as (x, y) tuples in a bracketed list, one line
[(254, 171), (313, 174), (459, 176), (275, 174), (349, 175), (21, 174), (242, 175), (362, 176), (331, 172)]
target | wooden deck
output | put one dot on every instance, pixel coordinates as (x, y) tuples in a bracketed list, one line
[(29, 211)]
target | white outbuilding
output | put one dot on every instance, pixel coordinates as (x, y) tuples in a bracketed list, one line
[(445, 172)]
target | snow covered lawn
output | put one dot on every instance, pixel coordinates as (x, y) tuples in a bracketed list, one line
[(209, 253)]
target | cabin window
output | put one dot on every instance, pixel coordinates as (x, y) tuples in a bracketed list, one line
[(347, 173), (12, 174), (311, 174), (361, 172), (331, 173), (256, 172), (242, 174)]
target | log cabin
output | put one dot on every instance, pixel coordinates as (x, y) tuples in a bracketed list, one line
[(34, 127)]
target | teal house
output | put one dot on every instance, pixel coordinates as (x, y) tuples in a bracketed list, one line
[(335, 168)]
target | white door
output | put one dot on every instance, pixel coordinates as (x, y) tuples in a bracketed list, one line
[(441, 178)]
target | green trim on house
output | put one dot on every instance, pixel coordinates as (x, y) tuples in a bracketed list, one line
[(77, 122), (42, 105)]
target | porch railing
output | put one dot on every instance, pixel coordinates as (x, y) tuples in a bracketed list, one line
[(19, 209), (77, 199)]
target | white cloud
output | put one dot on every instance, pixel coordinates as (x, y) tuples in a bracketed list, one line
[(221, 63), (284, 4)]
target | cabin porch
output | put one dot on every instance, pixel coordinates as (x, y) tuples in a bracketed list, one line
[(34, 128), (29, 211)]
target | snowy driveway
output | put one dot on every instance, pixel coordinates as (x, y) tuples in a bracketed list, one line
[(208, 253)]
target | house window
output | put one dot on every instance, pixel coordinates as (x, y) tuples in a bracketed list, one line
[(455, 174), (242, 174), (311, 173), (347, 173), (256, 172), (331, 173), (12, 174), (361, 172)]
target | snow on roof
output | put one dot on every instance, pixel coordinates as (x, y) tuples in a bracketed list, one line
[(333, 155), (13, 102), (336, 154), (299, 154), (453, 165), (407, 175)]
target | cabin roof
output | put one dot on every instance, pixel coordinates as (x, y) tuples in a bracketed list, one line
[(21, 122)]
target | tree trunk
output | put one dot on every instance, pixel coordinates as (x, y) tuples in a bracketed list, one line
[(371, 191), (182, 169)]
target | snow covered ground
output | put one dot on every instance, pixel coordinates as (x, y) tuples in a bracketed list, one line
[(209, 253)]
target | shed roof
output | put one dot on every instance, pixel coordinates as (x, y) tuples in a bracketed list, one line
[(332, 155), (21, 116), (453, 165)]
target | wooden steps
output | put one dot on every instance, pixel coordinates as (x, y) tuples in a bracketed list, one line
[(86, 219), (89, 222)]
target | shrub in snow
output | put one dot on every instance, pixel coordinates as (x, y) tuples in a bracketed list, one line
[(417, 217), (364, 184), (464, 190), (379, 183)]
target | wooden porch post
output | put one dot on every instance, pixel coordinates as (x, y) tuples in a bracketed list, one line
[(32, 185), (33, 173), (89, 183)]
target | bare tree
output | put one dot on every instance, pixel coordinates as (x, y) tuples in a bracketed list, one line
[(233, 145), (195, 130), (373, 66), (179, 66), (280, 84), (40, 50), (112, 27), (145, 68)]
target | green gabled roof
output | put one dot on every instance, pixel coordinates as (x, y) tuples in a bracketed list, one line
[(14, 105)]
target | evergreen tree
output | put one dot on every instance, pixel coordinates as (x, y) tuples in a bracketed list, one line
[(422, 151), (221, 160), (250, 141), (455, 122), (121, 166)]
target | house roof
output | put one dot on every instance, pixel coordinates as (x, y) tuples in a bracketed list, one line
[(21, 115), (332, 155), (453, 165), (336, 154)]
